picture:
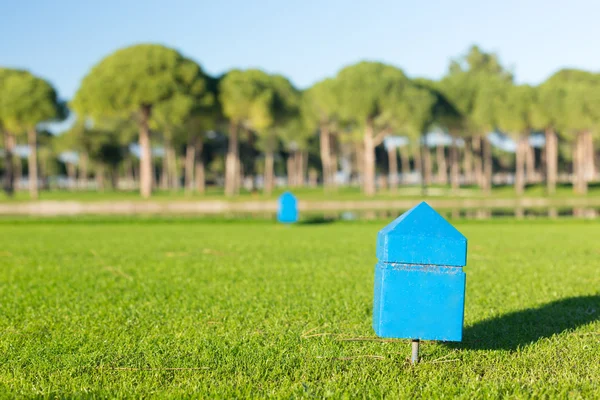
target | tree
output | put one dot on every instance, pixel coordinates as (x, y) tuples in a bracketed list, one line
[(568, 104), (283, 107), (419, 112), (8, 138), (102, 143), (26, 102), (205, 115), (74, 139), (516, 114), (582, 119), (255, 101), (169, 118), (369, 94), (436, 108), (241, 94), (551, 98), (132, 81), (295, 135), (319, 107), (467, 78)]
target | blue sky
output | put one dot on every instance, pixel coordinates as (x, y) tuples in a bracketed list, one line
[(304, 40)]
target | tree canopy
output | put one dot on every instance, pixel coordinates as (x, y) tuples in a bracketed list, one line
[(137, 76), (27, 101)]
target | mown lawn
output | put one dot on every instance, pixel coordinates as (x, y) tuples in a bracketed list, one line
[(175, 308)]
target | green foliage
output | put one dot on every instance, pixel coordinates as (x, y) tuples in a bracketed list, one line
[(515, 109), (105, 142), (259, 102), (418, 108), (443, 111), (242, 94), (182, 111), (319, 104), (5, 73), (137, 76), (369, 91), (473, 84), (26, 101), (569, 102), (295, 134), (172, 114)]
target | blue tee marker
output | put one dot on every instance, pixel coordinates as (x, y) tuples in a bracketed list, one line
[(288, 208), (419, 281)]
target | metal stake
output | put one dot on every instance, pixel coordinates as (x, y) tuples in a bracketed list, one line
[(415, 351)]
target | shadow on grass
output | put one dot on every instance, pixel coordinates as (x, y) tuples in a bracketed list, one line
[(520, 328), (317, 220)]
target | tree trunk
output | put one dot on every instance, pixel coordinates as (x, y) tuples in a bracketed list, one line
[(576, 165), (114, 178), (369, 160), (427, 166), (153, 177), (72, 178), (393, 168), (333, 167), (590, 166), (9, 167), (298, 168), (454, 166), (32, 163), (164, 176), (303, 161), (83, 170), (325, 150), (551, 160), (442, 169), (145, 153), (529, 161), (268, 179), (129, 174), (359, 162), (478, 161), (190, 155), (579, 166), (239, 176), (173, 169), (520, 161), (200, 178), (100, 177), (42, 168), (18, 171), (487, 166), (231, 161), (312, 178), (291, 169), (418, 153), (136, 173), (468, 162), (405, 162)]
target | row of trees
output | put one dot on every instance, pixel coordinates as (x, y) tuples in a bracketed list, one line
[(152, 92)]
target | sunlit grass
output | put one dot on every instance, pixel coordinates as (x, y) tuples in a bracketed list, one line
[(172, 307)]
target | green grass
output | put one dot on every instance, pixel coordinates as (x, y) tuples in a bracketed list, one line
[(308, 194), (108, 307)]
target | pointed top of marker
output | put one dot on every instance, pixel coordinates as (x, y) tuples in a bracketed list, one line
[(421, 236)]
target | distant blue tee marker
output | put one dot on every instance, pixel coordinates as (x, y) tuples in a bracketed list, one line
[(288, 208), (419, 281)]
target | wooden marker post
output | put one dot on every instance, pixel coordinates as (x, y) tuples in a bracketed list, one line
[(419, 281), (288, 208)]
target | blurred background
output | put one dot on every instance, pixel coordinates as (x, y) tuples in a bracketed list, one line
[(484, 109)]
